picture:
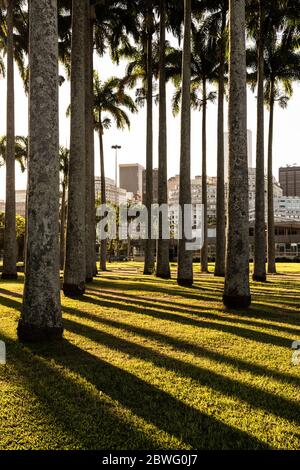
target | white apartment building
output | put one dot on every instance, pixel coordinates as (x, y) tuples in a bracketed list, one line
[(114, 195), (277, 191), (196, 189)]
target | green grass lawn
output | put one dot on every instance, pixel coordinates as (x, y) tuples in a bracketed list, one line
[(147, 365)]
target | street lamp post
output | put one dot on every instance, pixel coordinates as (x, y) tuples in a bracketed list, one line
[(116, 148)]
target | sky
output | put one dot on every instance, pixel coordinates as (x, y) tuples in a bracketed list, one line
[(133, 142)]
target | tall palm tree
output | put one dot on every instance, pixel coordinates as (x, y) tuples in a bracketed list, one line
[(259, 273), (281, 67), (110, 102), (284, 67), (216, 25), (185, 257), (75, 259), (204, 69), (264, 17), (162, 265), (41, 317), (149, 243), (89, 135), (205, 65), (236, 290), (10, 239), (64, 157)]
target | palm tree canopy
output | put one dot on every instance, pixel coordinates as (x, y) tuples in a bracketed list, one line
[(21, 151), (282, 67), (111, 99), (20, 37)]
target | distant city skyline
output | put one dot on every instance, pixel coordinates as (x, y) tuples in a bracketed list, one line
[(286, 133)]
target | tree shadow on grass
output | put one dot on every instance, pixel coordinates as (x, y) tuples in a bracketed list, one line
[(90, 423), (197, 351), (260, 311), (179, 317), (257, 398), (155, 406), (254, 335), (163, 305), (151, 286), (195, 429)]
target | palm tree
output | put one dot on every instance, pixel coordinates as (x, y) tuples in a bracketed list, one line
[(21, 156), (259, 273), (149, 244), (281, 67), (264, 17), (110, 102), (90, 225), (75, 259), (10, 239), (216, 25), (64, 157), (41, 317), (236, 290), (284, 67), (162, 265), (204, 69), (185, 257)]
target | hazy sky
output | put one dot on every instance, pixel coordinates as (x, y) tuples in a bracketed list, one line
[(286, 131)]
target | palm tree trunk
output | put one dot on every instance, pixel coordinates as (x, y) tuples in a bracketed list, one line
[(93, 196), (10, 240), (103, 243), (204, 249), (128, 248), (62, 225), (185, 257), (75, 263), (259, 273), (237, 291), (26, 226), (271, 224), (163, 265), (221, 220), (89, 129), (149, 243), (41, 317)]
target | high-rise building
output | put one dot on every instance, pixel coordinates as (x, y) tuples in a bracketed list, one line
[(289, 179), (226, 152), (131, 177)]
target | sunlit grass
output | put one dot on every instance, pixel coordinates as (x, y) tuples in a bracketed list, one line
[(148, 365)]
